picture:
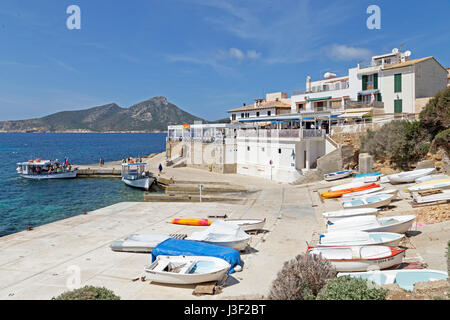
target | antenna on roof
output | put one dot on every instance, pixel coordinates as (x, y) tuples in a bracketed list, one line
[(407, 53)]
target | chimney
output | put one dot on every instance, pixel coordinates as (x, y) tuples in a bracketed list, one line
[(308, 84)]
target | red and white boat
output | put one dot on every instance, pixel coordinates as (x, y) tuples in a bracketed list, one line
[(360, 258)]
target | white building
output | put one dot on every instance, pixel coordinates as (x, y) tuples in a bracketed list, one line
[(392, 83), (274, 104)]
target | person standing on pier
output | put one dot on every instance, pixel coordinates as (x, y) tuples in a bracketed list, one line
[(102, 161), (160, 168)]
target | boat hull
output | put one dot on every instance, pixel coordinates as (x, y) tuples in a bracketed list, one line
[(143, 184), (353, 239), (392, 276), (411, 176), (186, 278), (364, 204), (337, 175), (248, 224), (64, 175)]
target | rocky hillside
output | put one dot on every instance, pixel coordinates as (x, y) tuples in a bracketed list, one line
[(147, 116)]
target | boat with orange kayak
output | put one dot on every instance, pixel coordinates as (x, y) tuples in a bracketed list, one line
[(339, 193), (192, 222)]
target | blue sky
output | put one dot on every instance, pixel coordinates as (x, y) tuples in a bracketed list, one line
[(206, 56)]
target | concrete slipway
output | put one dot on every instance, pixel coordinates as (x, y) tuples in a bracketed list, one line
[(39, 264)]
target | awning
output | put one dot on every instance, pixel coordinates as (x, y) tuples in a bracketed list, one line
[(353, 115), (364, 92), (320, 98)]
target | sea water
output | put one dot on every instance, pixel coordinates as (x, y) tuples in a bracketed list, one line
[(26, 202)]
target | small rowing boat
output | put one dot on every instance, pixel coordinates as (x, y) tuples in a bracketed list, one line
[(360, 258), (363, 192), (370, 223), (187, 269), (430, 185), (353, 184), (224, 234), (192, 222), (432, 177), (337, 175), (339, 193), (359, 238), (354, 196), (370, 174), (369, 201), (404, 278), (248, 224), (333, 216), (410, 176)]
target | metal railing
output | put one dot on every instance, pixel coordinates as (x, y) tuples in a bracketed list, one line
[(313, 133), (339, 85)]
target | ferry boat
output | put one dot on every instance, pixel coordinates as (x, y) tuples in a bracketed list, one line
[(45, 169), (133, 174)]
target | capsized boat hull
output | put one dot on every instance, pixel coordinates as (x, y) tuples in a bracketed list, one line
[(409, 176), (350, 196), (340, 193), (248, 224), (430, 185), (405, 278), (214, 269), (333, 216), (360, 238)]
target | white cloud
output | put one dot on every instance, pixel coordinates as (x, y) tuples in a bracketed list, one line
[(343, 52), (237, 54), (252, 54)]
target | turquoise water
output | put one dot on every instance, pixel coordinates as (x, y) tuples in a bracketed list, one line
[(32, 203)]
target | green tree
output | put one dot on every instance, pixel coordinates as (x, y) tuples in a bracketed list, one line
[(435, 117)]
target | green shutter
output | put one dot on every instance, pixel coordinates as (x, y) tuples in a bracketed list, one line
[(398, 106), (359, 98), (375, 81), (379, 97), (364, 82), (398, 82)]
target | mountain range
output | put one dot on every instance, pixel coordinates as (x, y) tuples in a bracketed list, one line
[(153, 115)]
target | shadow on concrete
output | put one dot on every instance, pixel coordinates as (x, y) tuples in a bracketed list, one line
[(412, 233)]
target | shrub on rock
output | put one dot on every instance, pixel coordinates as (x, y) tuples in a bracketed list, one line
[(348, 288), (302, 278), (88, 293)]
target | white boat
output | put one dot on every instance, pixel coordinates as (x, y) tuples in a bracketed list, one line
[(430, 185), (343, 214), (337, 175), (224, 234), (363, 192), (45, 169), (360, 258), (369, 201), (187, 269), (367, 179), (349, 196), (359, 238), (133, 174), (442, 196), (410, 176), (432, 177), (350, 185), (405, 278), (138, 243), (248, 224), (395, 224)]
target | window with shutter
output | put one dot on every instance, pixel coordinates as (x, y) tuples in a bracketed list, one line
[(398, 82), (364, 82), (375, 81)]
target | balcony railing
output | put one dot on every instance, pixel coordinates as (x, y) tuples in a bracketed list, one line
[(360, 104), (339, 85), (313, 133)]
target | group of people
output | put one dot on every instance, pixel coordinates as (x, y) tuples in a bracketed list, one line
[(54, 167), (139, 160)]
